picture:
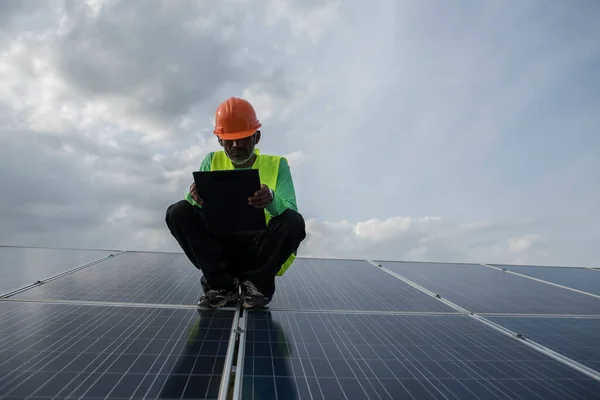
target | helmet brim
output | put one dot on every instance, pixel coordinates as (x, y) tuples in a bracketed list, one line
[(236, 135)]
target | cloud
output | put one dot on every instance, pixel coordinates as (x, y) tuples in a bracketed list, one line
[(297, 158), (132, 68), (107, 109), (429, 239), (307, 18), (388, 113), (522, 244)]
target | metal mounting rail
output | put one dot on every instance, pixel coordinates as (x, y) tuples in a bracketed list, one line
[(422, 289), (365, 312), (231, 348), (14, 246), (592, 373), (540, 280), (241, 353), (526, 315), (53, 277), (111, 304)]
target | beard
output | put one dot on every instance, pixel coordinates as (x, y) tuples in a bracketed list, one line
[(239, 156)]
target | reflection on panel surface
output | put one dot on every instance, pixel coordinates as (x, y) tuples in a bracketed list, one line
[(576, 278), (119, 352), (21, 266), (576, 338), (322, 284), (295, 355), (487, 290), (159, 278)]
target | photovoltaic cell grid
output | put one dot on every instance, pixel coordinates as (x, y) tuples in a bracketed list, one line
[(72, 351), (20, 267), (576, 338), (325, 284), (576, 278), (295, 355), (425, 356), (486, 290), (131, 277)]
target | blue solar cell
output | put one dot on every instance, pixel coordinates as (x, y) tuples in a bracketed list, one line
[(295, 355), (576, 338), (576, 278), (72, 351), (132, 277), (325, 284), (80, 351), (486, 290), (20, 266)]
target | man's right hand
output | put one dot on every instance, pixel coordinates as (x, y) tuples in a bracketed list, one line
[(194, 194)]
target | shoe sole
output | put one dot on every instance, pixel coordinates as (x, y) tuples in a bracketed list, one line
[(255, 302), (231, 299)]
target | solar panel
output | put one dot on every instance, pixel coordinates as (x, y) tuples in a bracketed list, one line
[(24, 266), (486, 290), (577, 338), (291, 355), (132, 277), (326, 284), (576, 278), (61, 350), (336, 329)]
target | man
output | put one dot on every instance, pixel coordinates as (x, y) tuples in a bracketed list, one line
[(242, 261)]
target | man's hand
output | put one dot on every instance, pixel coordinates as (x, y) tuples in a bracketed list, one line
[(261, 198), (194, 194)]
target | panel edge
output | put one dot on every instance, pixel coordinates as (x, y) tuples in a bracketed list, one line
[(60, 275), (590, 372), (227, 367), (239, 371), (540, 280), (528, 342), (421, 288)]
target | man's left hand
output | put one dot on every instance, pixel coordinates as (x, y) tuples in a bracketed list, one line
[(261, 198)]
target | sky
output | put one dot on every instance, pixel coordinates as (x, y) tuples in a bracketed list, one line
[(415, 130)]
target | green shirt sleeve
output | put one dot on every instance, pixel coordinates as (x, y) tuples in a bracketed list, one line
[(205, 166), (284, 194)]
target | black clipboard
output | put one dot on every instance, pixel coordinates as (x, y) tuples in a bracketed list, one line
[(225, 195)]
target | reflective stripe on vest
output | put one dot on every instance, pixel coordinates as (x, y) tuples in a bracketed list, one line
[(268, 168)]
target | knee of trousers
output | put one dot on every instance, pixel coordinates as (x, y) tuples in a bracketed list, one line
[(177, 212), (294, 223)]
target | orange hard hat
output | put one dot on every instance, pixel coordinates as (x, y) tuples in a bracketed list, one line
[(235, 119)]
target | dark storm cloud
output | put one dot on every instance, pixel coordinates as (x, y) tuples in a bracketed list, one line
[(156, 63), (26, 16), (45, 191), (32, 174), (8, 10), (154, 57), (41, 192), (132, 161), (20, 14)]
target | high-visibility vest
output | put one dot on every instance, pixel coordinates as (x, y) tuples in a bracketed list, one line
[(268, 168)]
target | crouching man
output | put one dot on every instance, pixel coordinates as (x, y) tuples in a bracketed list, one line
[(245, 262)]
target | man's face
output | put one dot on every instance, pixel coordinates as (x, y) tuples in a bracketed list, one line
[(239, 150)]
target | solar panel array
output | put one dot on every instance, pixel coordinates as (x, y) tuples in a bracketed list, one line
[(125, 325)]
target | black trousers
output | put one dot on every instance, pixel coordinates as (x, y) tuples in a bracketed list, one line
[(256, 256)]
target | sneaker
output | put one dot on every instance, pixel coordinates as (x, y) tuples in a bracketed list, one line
[(252, 296), (216, 298)]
